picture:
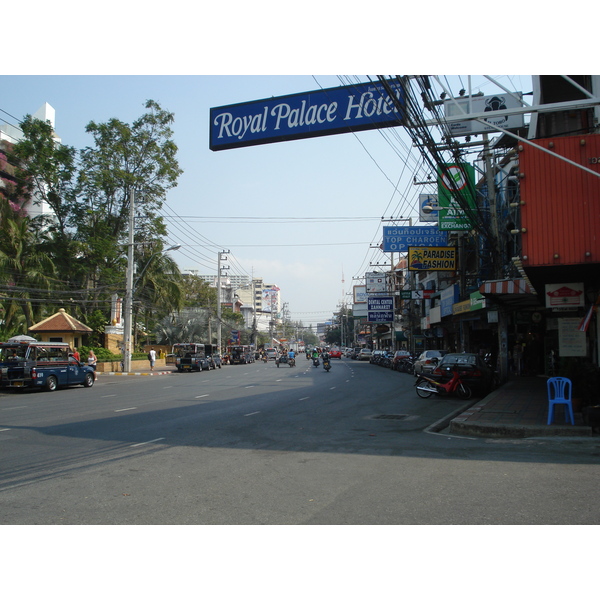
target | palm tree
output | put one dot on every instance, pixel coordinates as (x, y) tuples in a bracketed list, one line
[(24, 268)]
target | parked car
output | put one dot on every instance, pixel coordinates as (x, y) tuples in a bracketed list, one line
[(398, 356), (335, 354), (472, 369), (428, 361), (216, 361), (364, 354), (355, 352), (376, 356)]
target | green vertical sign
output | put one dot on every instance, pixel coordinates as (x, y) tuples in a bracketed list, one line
[(456, 189)]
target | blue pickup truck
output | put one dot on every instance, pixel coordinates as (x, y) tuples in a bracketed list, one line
[(41, 365)]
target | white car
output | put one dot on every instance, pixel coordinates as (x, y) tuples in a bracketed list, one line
[(364, 354)]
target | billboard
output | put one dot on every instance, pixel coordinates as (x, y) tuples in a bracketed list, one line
[(380, 309), (432, 259), (309, 114), (484, 104), (376, 282), (399, 239), (456, 189)]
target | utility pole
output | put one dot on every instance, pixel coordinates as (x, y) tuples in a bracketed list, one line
[(127, 325), (220, 257)]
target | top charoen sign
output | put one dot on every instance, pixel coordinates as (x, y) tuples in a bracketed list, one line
[(310, 114)]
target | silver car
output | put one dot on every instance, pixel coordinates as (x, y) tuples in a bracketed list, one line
[(428, 361)]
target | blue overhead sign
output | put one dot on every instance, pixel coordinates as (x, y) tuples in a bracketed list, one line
[(310, 114), (398, 239)]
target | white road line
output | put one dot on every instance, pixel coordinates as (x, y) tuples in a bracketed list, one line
[(109, 396), (15, 407), (333, 388), (149, 442), (305, 398), (203, 396), (249, 386), (122, 409), (250, 414), (5, 429)]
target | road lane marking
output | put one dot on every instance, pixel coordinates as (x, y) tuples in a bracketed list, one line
[(250, 414), (5, 429), (203, 396), (249, 386), (15, 407), (122, 409), (333, 388), (108, 396), (305, 398), (149, 442)]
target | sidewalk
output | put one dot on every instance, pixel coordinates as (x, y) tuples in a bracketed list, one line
[(517, 409)]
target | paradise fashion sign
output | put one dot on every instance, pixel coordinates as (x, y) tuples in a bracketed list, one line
[(432, 259), (310, 114)]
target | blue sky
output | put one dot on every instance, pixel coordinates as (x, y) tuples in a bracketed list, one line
[(301, 214)]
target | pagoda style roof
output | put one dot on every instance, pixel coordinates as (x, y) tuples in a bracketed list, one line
[(60, 321)]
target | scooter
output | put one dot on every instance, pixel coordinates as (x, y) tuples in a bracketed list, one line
[(291, 361), (316, 362), (427, 386), (326, 364)]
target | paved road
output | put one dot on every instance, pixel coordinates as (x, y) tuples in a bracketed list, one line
[(257, 444)]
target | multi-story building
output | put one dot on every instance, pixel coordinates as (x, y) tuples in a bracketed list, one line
[(528, 281)]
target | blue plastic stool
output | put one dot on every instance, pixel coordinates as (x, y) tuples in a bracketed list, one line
[(559, 392)]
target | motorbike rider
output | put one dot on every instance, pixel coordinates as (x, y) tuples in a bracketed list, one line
[(325, 357)]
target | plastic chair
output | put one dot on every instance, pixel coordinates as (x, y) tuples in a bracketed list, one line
[(559, 392)]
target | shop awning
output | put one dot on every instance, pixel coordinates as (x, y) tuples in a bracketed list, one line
[(516, 292), (506, 286)]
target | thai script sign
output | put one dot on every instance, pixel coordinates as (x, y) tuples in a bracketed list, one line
[(380, 309), (432, 259), (398, 239), (310, 114)]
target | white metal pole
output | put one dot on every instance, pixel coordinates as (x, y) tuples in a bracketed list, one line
[(127, 325), (218, 303)]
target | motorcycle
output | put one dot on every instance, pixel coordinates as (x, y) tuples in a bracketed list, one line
[(427, 386), (326, 364), (292, 361), (316, 362), (281, 359)]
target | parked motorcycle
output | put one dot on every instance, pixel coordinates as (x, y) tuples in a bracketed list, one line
[(427, 386)]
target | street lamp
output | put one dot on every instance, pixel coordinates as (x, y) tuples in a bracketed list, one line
[(127, 317)]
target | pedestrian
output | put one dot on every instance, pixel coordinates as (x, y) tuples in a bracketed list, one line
[(92, 362), (76, 355), (152, 357)]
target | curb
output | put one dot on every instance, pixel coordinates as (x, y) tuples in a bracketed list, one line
[(516, 431), (151, 374)]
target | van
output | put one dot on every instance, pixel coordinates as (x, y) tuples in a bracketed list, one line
[(271, 353)]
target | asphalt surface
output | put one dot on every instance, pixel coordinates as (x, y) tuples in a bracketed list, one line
[(256, 444)]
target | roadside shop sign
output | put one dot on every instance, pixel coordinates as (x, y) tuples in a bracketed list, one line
[(360, 294), (441, 258), (376, 282), (331, 111), (399, 239), (456, 189), (486, 106), (564, 295), (380, 309)]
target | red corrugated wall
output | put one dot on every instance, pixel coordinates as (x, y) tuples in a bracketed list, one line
[(561, 210)]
